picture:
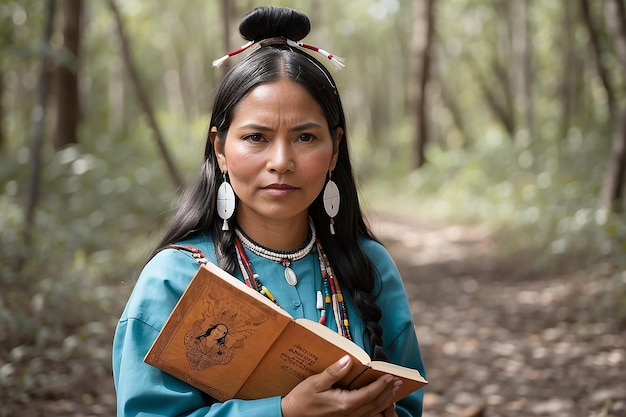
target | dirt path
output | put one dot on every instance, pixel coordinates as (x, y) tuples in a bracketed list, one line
[(500, 339)]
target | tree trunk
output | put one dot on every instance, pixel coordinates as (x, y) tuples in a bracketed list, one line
[(172, 79), (501, 71), (38, 129), (142, 97), (2, 137), (66, 81), (5, 39), (449, 100), (616, 19), (613, 188), (527, 59), (507, 110), (596, 47), (228, 16), (568, 95), (421, 46), (502, 112)]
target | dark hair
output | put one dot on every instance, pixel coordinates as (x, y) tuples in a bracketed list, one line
[(277, 61)]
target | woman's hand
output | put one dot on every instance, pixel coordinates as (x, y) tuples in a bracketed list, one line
[(315, 396)]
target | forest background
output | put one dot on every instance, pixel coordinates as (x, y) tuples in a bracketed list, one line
[(507, 114)]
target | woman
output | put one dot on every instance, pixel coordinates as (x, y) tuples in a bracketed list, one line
[(275, 204)]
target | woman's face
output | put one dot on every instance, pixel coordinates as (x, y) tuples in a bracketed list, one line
[(277, 152), (219, 332)]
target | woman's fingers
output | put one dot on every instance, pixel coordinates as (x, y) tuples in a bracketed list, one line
[(316, 395), (376, 397), (304, 397), (334, 373)]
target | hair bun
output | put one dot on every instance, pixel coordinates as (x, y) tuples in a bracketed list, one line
[(271, 21)]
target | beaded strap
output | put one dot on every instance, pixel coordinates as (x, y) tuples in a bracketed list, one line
[(196, 253)]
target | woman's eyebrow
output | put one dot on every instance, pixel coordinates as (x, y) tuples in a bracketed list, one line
[(305, 126), (254, 126), (296, 128)]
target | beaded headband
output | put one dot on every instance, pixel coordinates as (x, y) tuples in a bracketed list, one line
[(335, 60)]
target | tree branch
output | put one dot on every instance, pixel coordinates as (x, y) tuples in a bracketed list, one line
[(38, 126), (142, 96), (596, 48)]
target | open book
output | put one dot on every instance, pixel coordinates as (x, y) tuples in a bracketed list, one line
[(231, 342)]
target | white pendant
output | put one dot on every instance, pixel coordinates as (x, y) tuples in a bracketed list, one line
[(290, 277)]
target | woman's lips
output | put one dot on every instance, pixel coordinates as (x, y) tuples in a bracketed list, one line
[(280, 189)]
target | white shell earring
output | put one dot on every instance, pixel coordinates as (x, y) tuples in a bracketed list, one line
[(225, 202), (331, 201)]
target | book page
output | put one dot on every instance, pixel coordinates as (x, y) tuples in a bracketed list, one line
[(336, 339), (412, 380), (398, 370), (304, 349)]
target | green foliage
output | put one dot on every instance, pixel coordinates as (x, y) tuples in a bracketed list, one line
[(549, 195), (102, 203), (539, 202)]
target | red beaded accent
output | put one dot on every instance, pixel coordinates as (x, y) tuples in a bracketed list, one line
[(248, 274)]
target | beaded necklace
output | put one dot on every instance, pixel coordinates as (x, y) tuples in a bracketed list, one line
[(332, 292), (285, 258)]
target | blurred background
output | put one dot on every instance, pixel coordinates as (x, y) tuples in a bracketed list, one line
[(505, 119)]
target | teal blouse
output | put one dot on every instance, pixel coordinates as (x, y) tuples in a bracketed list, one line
[(143, 390)]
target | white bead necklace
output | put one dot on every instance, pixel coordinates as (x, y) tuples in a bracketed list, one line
[(285, 258)]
